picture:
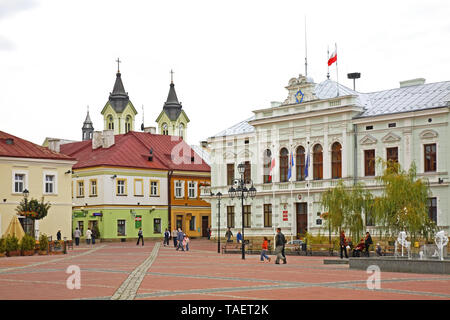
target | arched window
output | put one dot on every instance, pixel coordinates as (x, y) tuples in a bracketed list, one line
[(165, 129), (300, 163), (128, 124), (181, 130), (267, 162), (318, 162), (336, 161), (110, 123), (284, 162)]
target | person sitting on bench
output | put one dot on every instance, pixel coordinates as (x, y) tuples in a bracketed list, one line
[(359, 248)]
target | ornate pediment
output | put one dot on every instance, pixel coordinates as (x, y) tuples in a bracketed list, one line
[(245, 154), (428, 134), (300, 90), (229, 155), (368, 139), (391, 137)]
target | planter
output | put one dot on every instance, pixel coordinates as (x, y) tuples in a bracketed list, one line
[(56, 252), (14, 253), (28, 253), (43, 253)]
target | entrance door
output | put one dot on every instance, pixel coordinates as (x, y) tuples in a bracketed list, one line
[(205, 226), (180, 223), (92, 224), (302, 217)]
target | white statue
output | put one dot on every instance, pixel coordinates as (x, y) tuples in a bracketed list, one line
[(441, 241), (401, 240)]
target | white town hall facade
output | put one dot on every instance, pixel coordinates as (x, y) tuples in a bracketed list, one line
[(344, 131)]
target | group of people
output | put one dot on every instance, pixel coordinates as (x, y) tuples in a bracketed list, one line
[(180, 239), (90, 235), (229, 235), (361, 248)]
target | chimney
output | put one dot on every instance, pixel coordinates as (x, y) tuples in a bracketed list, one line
[(54, 145), (204, 144), (108, 138), (97, 138), (151, 130), (412, 82)]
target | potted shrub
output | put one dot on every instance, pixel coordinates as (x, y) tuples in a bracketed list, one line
[(2, 247), (12, 246), (43, 244), (27, 245), (58, 247)]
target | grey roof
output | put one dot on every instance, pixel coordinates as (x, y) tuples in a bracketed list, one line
[(172, 107), (241, 127), (87, 124), (118, 98), (410, 98)]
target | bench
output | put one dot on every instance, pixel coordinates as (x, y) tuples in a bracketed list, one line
[(232, 247), (320, 247), (292, 247)]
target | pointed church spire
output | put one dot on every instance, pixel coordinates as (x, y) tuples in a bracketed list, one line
[(88, 127), (118, 98), (172, 106)]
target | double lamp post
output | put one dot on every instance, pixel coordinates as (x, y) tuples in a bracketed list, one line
[(240, 192)]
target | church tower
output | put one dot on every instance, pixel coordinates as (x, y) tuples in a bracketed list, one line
[(172, 120), (119, 113), (88, 128)]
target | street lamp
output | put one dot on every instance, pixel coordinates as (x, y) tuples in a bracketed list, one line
[(242, 192), (219, 197), (25, 193)]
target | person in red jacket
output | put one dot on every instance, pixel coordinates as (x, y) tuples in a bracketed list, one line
[(343, 244), (265, 247)]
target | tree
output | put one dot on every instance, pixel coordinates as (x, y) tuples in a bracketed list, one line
[(33, 209), (336, 201), (403, 203)]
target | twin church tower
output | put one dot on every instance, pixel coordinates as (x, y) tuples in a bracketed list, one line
[(119, 114)]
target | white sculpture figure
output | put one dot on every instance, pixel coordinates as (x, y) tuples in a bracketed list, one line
[(401, 240), (441, 241)]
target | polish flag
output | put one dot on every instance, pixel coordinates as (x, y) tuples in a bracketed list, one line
[(272, 165), (333, 58)]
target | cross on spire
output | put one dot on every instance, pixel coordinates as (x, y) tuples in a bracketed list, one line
[(171, 76), (118, 62)]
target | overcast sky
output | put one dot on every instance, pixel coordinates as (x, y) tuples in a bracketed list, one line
[(229, 57)]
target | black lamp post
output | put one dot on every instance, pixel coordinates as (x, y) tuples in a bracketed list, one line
[(219, 197), (242, 192)]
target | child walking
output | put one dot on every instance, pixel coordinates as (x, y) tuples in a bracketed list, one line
[(265, 247), (186, 242)]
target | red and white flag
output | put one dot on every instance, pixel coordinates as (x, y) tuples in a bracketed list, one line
[(272, 165), (333, 58)]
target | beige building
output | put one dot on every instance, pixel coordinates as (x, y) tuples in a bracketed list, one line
[(25, 166)]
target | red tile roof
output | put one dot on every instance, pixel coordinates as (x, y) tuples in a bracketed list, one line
[(133, 150), (12, 146)]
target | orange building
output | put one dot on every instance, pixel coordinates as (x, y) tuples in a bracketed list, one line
[(186, 209)]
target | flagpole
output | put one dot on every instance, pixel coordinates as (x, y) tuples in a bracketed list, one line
[(306, 53), (337, 73), (328, 57)]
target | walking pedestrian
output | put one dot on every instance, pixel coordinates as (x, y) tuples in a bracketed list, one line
[(280, 241), (77, 235), (180, 237), (367, 243), (208, 232), (166, 237), (228, 235), (186, 242), (175, 237), (265, 247), (343, 244), (88, 236), (94, 235), (140, 236), (58, 235)]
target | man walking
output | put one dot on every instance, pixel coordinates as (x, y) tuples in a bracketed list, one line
[(94, 235), (175, 236), (166, 237), (140, 236), (280, 241), (343, 244), (77, 235), (180, 237), (228, 235), (367, 242), (58, 235)]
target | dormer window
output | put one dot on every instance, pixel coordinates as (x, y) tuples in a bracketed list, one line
[(110, 123)]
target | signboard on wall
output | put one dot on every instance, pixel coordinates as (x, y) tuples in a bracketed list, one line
[(285, 212), (138, 222)]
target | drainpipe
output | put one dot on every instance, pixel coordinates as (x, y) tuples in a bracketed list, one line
[(169, 199)]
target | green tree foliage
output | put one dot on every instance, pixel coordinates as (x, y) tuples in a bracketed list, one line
[(27, 243), (12, 243), (33, 209), (403, 203)]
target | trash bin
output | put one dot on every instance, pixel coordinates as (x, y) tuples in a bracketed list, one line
[(123, 240)]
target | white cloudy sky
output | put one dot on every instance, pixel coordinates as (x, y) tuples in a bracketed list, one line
[(229, 57)]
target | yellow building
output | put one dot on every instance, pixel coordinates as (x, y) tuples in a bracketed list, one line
[(27, 168)]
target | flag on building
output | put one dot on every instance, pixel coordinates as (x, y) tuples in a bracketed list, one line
[(272, 165), (307, 164), (333, 58), (291, 164)]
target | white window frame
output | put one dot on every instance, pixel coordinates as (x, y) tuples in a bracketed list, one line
[(55, 185), (181, 186), (154, 194), (24, 181), (192, 188)]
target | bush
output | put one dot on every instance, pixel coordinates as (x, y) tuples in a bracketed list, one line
[(2, 245), (12, 243), (27, 243), (43, 242)]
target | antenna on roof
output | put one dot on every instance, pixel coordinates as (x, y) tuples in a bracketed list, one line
[(306, 53)]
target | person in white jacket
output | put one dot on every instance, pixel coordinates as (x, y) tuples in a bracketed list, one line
[(88, 236)]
